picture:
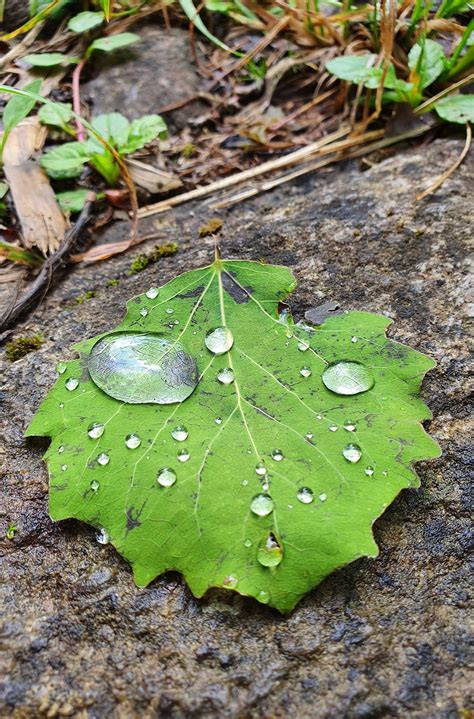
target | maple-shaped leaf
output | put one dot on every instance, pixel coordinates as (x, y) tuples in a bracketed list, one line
[(210, 435)]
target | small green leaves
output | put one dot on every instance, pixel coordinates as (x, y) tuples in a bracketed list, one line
[(72, 201), (361, 69), (142, 131), (190, 439), (112, 42), (49, 59), (66, 160), (85, 21), (17, 108), (426, 61), (456, 108), (57, 114)]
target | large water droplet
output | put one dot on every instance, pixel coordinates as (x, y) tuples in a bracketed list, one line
[(225, 376), (132, 441), (166, 477), (347, 378), (305, 372), (72, 383), (95, 430), (183, 455), (152, 293), (179, 433), (262, 505), (61, 367), (102, 536), (139, 368), (277, 455), (103, 459), (219, 341), (260, 469), (270, 552), (305, 495), (352, 452)]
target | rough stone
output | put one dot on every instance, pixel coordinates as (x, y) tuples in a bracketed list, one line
[(380, 638)]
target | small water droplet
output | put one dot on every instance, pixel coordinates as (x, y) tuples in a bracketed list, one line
[(183, 455), (319, 416), (263, 596), (166, 477), (305, 372), (384, 473), (103, 459), (143, 312), (261, 505), (230, 582), (265, 485), (245, 482), (305, 495), (179, 433), (152, 293), (169, 310), (175, 322), (72, 383), (277, 455), (354, 339), (309, 435), (102, 536), (352, 452), (303, 346), (61, 367), (350, 426), (270, 551), (248, 543), (332, 428), (369, 471), (219, 341), (95, 430), (132, 441), (260, 469), (63, 467), (347, 378), (323, 497), (218, 420), (225, 376), (61, 405), (95, 485), (61, 449), (290, 506)]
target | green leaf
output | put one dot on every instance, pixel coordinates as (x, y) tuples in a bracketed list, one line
[(48, 59), (360, 69), (104, 162), (113, 42), (85, 21), (264, 484), (3, 189), (113, 127), (426, 61), (66, 160), (142, 131), (19, 107), (58, 114), (73, 200), (456, 108)]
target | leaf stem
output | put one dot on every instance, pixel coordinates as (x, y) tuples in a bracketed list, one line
[(76, 98)]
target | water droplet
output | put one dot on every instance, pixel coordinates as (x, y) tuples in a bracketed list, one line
[(132, 441), (277, 455), (260, 469), (179, 433), (183, 455), (152, 293), (369, 471), (169, 310), (305, 495), (142, 367), (61, 367), (61, 405), (61, 449), (72, 383), (95, 430), (303, 346), (218, 420), (95, 485), (323, 497), (332, 428), (261, 505), (265, 485), (225, 376), (350, 426), (175, 322), (102, 536), (143, 311), (384, 473), (63, 467), (319, 416), (166, 477), (230, 582), (103, 459), (352, 452), (354, 339), (248, 543), (245, 482), (347, 378), (305, 372), (270, 552), (290, 506), (219, 341), (263, 596), (309, 435)]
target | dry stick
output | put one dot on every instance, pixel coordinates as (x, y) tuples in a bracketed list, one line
[(18, 50), (447, 91), (38, 289), (442, 178)]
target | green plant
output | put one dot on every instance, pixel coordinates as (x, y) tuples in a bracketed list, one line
[(17, 108), (21, 346), (213, 436)]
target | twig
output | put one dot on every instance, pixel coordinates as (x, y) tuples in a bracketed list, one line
[(19, 50), (38, 289), (76, 98), (447, 173), (447, 91)]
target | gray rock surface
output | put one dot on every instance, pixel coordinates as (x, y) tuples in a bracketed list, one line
[(380, 638)]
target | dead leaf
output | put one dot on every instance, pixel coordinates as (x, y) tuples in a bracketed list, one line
[(151, 178)]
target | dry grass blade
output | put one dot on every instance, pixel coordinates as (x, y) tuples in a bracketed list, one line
[(447, 173)]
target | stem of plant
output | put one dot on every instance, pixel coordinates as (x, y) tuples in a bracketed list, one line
[(76, 98)]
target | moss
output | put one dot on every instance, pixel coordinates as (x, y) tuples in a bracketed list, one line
[(211, 228), (85, 296), (159, 251), (11, 531), (21, 346), (113, 282), (188, 150)]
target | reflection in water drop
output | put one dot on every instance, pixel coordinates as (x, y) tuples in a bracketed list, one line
[(305, 495), (218, 420), (183, 455), (225, 376), (132, 441), (61, 367), (260, 469), (270, 551), (72, 383), (323, 497), (179, 433), (350, 426), (152, 293), (166, 477), (332, 428), (230, 582), (263, 596), (261, 505), (369, 471), (95, 430), (248, 543), (305, 372), (102, 536), (138, 368), (219, 341), (352, 452), (347, 378), (143, 311), (277, 455), (103, 459), (63, 467), (354, 339), (309, 435), (95, 485)]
